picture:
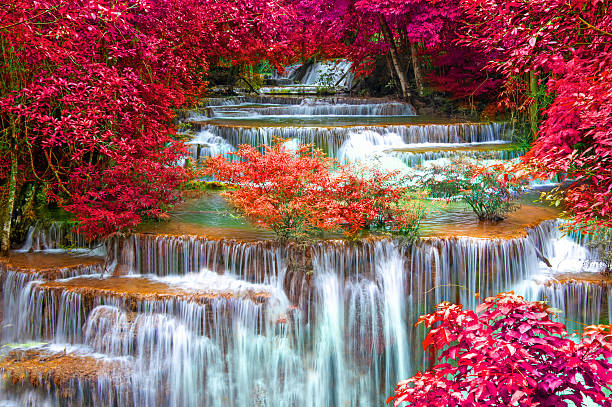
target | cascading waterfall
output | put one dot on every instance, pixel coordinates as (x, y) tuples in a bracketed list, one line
[(17, 283), (206, 144), (573, 282), (167, 255), (349, 339), (272, 101), (191, 321), (314, 109), (414, 159), (328, 73), (331, 139), (250, 100), (56, 235), (581, 302)]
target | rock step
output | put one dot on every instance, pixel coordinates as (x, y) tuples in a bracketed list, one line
[(140, 289), (60, 309), (599, 279), (74, 379), (50, 266)]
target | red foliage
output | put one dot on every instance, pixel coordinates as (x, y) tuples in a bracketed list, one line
[(88, 88), (352, 29), (294, 193), (575, 139), (459, 71), (279, 188), (366, 197), (509, 352), (571, 44)]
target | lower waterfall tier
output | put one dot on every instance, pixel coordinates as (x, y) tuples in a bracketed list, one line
[(208, 322)]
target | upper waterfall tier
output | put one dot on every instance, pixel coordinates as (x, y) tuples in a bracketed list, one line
[(57, 236), (293, 100), (214, 139), (328, 75), (311, 107), (348, 128)]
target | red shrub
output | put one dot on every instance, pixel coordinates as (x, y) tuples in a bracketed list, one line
[(294, 193), (509, 352)]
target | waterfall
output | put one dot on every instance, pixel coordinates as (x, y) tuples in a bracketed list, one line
[(313, 108), (206, 144), (54, 236), (222, 322), (185, 320), (170, 337), (332, 139), (573, 282), (17, 284), (328, 73), (414, 159), (581, 302)]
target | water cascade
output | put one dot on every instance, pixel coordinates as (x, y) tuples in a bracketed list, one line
[(314, 107), (572, 283), (190, 319), (332, 139), (55, 236), (329, 74)]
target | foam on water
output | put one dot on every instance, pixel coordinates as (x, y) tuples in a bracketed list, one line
[(206, 144), (332, 139), (199, 321)]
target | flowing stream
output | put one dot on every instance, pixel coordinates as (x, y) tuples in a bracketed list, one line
[(200, 316)]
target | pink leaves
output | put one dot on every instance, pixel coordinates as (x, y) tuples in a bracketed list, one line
[(499, 359), (570, 44), (532, 42), (98, 107)]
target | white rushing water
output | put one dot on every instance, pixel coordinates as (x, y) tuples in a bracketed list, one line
[(206, 144), (563, 286), (217, 323), (328, 74), (347, 339)]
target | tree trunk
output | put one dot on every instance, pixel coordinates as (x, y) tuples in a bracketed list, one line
[(401, 75), (418, 77), (533, 109), (389, 67), (5, 237)]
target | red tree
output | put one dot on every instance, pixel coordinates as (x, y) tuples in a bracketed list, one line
[(365, 30), (509, 352), (564, 50), (88, 91)]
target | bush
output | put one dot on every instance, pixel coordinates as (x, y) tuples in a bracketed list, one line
[(406, 221), (490, 191), (509, 353), (296, 194), (278, 188)]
